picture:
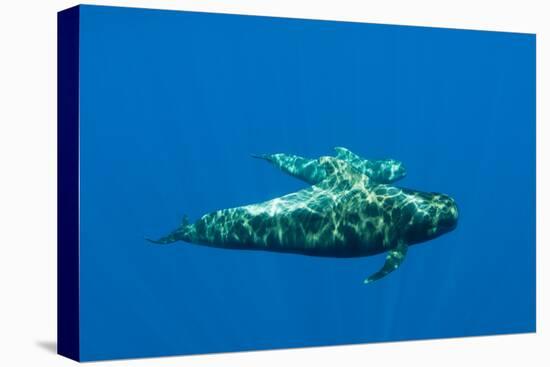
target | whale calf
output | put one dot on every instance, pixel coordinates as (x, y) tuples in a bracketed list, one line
[(346, 214), (382, 171)]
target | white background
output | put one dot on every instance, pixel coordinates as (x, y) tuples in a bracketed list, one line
[(28, 182)]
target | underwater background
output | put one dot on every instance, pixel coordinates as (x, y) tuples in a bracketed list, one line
[(173, 104)]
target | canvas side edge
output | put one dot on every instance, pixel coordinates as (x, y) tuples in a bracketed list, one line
[(68, 285)]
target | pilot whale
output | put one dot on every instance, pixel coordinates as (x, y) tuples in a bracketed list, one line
[(346, 214), (382, 171)]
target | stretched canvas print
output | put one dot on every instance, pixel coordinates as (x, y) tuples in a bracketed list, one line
[(232, 183)]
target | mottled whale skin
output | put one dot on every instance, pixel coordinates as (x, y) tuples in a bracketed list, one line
[(384, 171), (344, 215)]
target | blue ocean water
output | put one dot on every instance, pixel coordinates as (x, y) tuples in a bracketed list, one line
[(173, 104)]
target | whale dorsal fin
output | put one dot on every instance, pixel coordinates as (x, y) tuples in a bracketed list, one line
[(393, 260), (385, 171), (347, 155)]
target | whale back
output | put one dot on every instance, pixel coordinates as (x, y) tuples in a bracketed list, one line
[(341, 175)]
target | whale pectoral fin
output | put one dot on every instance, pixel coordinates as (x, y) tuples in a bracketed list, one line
[(393, 260)]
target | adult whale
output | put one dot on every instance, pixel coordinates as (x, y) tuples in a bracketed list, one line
[(345, 215)]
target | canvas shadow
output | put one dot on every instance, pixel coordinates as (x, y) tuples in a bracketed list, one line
[(48, 345)]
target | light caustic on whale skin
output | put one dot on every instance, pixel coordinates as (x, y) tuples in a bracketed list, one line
[(347, 212), (382, 171)]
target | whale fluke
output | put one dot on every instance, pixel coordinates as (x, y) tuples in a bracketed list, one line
[(177, 235), (171, 238), (262, 156)]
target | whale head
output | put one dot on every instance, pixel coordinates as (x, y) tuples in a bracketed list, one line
[(446, 214), (394, 170), (434, 215), (386, 170)]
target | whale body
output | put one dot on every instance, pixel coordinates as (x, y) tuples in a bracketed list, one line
[(346, 214)]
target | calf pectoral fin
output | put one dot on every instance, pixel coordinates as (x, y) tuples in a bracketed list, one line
[(393, 260)]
